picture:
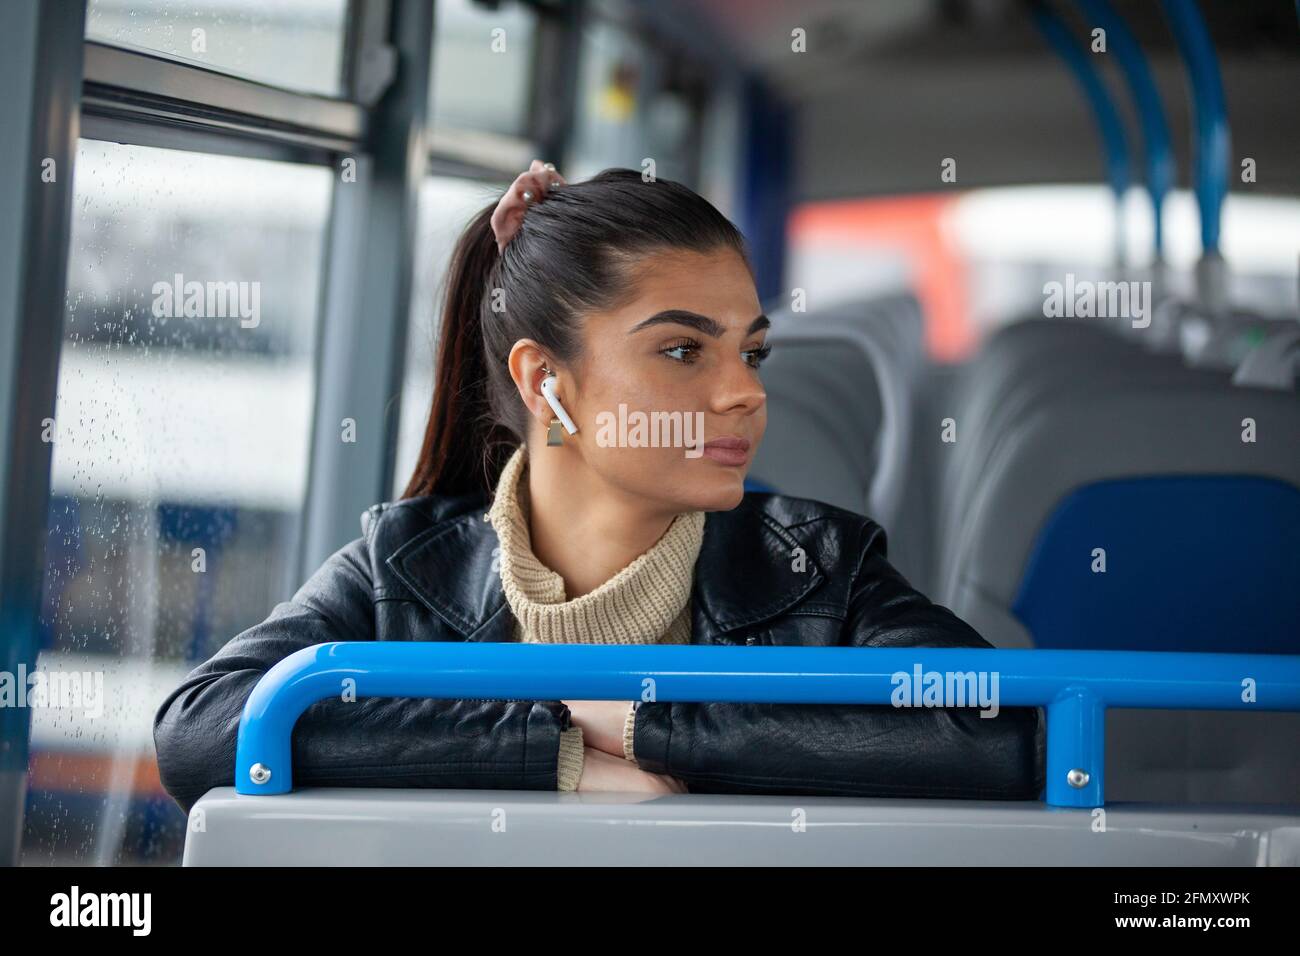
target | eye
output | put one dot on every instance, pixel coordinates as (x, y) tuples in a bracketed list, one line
[(755, 357), (684, 351)]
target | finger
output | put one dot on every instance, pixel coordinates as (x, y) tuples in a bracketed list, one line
[(506, 219), (537, 166), (556, 178), (524, 183), (526, 190), (543, 177), (499, 227), (540, 184)]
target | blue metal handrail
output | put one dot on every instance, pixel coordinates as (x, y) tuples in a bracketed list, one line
[(1076, 687), (1158, 151), (1213, 141), (1109, 125)]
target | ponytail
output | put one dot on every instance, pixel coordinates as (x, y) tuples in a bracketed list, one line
[(456, 454)]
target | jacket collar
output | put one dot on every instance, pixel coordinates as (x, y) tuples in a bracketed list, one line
[(743, 575)]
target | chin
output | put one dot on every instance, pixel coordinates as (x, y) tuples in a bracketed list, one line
[(720, 491)]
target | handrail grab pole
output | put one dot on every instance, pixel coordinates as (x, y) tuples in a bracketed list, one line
[(1157, 150), (1213, 152), (1076, 687), (1114, 141)]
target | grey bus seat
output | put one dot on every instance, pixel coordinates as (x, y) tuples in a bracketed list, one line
[(1018, 368), (1186, 436), (1005, 359), (824, 420), (1059, 387), (841, 385), (898, 322)]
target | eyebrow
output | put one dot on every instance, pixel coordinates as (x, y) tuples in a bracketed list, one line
[(702, 323)]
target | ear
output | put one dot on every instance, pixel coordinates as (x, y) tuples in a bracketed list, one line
[(526, 363)]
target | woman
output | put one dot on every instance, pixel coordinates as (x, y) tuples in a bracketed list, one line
[(516, 528)]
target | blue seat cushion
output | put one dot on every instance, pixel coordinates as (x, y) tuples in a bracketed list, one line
[(1192, 563)]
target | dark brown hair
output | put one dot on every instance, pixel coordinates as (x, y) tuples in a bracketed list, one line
[(574, 254)]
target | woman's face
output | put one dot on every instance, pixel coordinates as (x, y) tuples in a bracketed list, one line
[(675, 367)]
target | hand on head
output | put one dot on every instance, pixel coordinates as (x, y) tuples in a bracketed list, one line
[(529, 187)]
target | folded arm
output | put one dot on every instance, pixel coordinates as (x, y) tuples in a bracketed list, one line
[(367, 742), (853, 750)]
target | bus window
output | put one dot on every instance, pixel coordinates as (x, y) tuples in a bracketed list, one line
[(180, 460), (298, 46), (636, 102), (482, 70)]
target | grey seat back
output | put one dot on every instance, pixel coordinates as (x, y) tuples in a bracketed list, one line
[(841, 386), (1071, 439), (824, 419)]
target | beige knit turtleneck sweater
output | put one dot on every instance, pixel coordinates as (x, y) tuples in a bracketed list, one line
[(648, 602)]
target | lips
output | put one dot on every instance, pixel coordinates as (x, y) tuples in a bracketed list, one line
[(728, 450)]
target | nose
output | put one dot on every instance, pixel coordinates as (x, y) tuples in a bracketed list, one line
[(737, 390)]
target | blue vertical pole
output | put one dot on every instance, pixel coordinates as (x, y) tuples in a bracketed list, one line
[(764, 185), (1114, 142), (1213, 142), (1157, 151), (1076, 749)]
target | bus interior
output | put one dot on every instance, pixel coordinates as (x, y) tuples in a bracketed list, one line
[(1033, 272)]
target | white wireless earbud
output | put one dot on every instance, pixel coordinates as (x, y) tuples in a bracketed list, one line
[(548, 392)]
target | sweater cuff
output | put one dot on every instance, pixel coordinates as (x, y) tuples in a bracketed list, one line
[(571, 756), (629, 733)]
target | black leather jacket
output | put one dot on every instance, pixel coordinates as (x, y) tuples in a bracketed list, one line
[(424, 572)]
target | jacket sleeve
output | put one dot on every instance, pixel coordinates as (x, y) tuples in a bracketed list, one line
[(367, 742), (854, 750)]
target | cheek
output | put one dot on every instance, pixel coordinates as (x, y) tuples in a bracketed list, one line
[(664, 474), (615, 447), (641, 385), (604, 389)]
